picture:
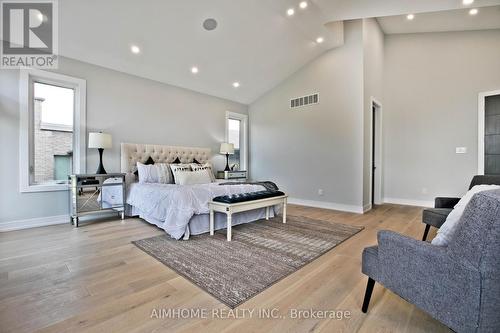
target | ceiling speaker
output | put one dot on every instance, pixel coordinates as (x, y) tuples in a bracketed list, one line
[(210, 24)]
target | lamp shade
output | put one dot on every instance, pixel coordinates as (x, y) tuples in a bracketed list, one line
[(100, 140), (227, 148)]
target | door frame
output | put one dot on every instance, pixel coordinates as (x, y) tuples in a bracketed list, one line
[(481, 127), (376, 192)]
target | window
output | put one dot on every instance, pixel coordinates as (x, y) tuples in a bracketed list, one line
[(233, 132), (236, 133), (52, 133), (52, 130)]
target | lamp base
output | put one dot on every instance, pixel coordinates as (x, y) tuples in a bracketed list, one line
[(100, 168), (227, 163)]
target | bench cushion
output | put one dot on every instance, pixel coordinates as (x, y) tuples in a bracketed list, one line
[(243, 197)]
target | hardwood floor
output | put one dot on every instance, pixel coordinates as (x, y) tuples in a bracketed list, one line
[(92, 279)]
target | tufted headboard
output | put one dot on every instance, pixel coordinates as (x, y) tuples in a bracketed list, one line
[(132, 153)]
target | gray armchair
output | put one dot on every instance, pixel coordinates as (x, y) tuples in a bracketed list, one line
[(443, 206), (459, 284)]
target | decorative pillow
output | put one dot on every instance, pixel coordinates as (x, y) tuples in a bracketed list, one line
[(176, 161), (206, 166), (195, 161), (164, 173), (149, 161), (193, 177), (176, 168), (448, 229), (156, 173), (148, 173)]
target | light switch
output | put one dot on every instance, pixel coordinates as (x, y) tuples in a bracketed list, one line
[(461, 150)]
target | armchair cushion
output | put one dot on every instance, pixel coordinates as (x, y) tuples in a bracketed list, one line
[(435, 216)]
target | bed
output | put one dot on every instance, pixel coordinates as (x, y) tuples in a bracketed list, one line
[(180, 210)]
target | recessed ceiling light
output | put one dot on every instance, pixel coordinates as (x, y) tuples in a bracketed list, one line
[(468, 2), (194, 70), (410, 16), (303, 5), (135, 49), (236, 84), (290, 11), (320, 40), (473, 11)]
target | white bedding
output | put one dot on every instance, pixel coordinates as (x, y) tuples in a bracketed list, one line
[(200, 224), (171, 207), (111, 195)]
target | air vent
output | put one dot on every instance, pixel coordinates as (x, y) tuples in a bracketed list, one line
[(304, 101)]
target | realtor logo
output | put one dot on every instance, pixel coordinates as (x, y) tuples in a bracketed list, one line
[(29, 34)]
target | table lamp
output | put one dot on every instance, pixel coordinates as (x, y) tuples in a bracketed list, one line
[(100, 141), (228, 149)]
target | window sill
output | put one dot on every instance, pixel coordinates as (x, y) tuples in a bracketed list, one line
[(45, 188)]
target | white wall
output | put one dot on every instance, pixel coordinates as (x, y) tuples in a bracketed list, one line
[(373, 68), (132, 109), (319, 146), (431, 89)]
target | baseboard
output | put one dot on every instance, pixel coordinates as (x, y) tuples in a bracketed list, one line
[(326, 205), (33, 223), (409, 202), (367, 208)]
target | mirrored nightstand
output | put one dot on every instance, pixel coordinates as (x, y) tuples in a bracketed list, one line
[(93, 193)]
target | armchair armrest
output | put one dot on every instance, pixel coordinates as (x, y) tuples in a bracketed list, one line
[(428, 276), (444, 202), (401, 250)]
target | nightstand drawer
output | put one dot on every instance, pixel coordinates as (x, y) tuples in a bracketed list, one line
[(231, 174)]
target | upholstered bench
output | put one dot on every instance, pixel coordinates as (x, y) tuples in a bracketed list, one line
[(235, 203)]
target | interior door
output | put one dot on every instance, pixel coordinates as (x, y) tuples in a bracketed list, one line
[(492, 135)]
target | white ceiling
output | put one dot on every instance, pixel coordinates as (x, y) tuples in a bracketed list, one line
[(255, 43), (354, 9), (450, 20)]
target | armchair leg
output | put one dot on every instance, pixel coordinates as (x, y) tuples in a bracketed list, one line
[(426, 232), (368, 294)]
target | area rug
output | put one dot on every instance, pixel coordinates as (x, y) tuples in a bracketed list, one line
[(260, 254)]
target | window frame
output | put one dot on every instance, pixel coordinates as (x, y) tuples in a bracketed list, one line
[(243, 118), (26, 144)]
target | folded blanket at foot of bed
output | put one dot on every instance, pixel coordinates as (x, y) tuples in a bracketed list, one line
[(251, 196), (270, 186)]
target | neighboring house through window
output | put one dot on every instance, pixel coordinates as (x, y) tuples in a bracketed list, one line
[(52, 142)]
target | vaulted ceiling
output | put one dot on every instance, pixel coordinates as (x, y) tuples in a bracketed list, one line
[(488, 18), (255, 43)]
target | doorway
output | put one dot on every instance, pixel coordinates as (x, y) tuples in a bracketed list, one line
[(376, 153), (489, 133)]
